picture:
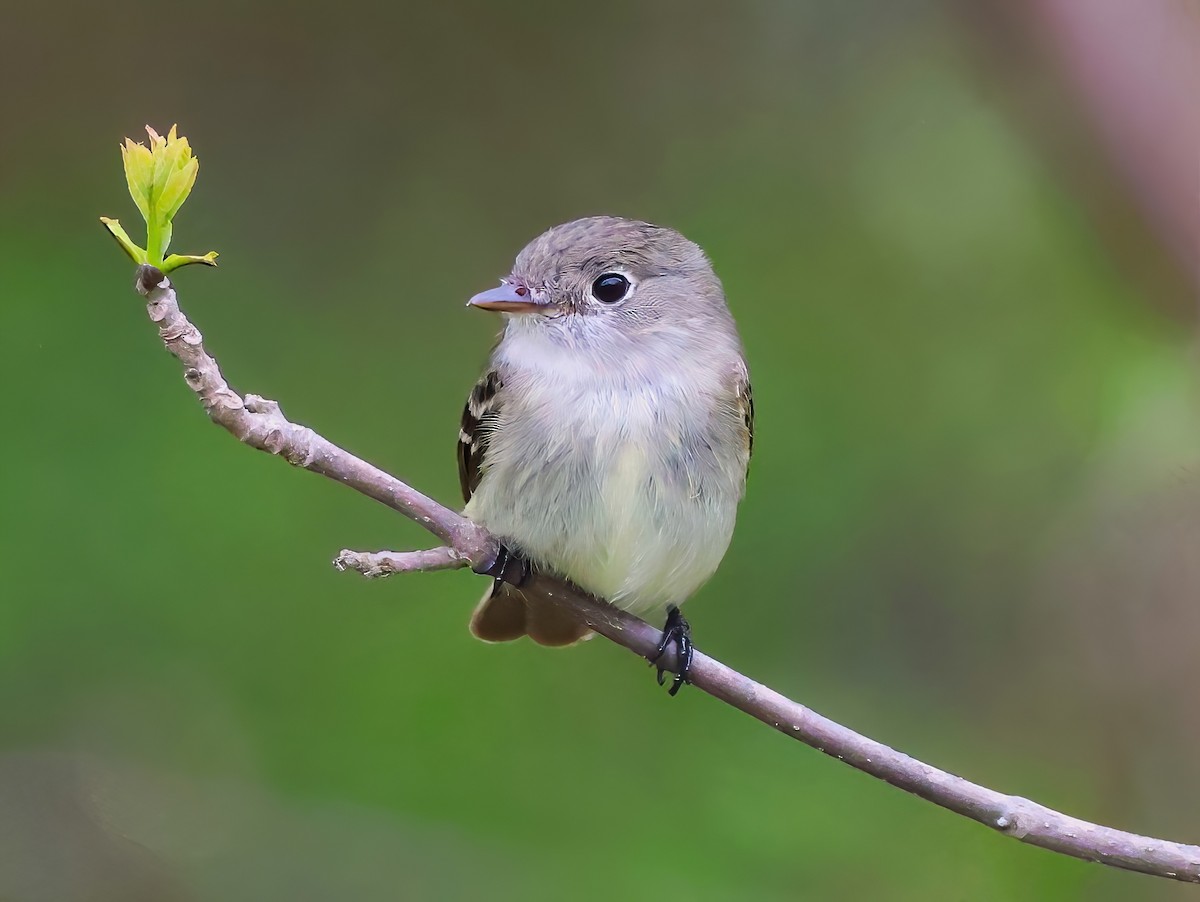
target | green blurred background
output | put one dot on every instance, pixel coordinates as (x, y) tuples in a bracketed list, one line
[(971, 523)]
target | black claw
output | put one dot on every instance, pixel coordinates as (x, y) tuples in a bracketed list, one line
[(509, 567), (679, 631)]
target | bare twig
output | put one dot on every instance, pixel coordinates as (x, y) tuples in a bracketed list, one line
[(260, 424), (375, 564)]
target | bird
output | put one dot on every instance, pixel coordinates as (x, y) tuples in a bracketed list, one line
[(608, 438)]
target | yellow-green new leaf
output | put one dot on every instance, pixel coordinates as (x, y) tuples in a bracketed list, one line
[(139, 174), (164, 234), (160, 179), (162, 163), (177, 260), (114, 227), (178, 186)]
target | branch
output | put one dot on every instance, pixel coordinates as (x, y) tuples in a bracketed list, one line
[(260, 424), (376, 564)]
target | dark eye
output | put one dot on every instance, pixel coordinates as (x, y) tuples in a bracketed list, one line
[(610, 288)]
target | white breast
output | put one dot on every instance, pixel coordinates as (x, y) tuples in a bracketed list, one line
[(626, 485)]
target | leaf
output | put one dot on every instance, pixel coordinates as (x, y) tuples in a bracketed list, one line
[(165, 231), (139, 174), (158, 150), (114, 227), (177, 188), (177, 260), (160, 179)]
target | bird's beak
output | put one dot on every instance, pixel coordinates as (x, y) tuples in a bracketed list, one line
[(509, 299)]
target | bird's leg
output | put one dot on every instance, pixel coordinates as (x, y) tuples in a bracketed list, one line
[(679, 631), (509, 567)]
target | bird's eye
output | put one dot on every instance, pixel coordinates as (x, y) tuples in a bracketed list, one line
[(610, 288)]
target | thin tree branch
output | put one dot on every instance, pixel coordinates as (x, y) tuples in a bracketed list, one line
[(260, 424), (257, 422), (376, 564)]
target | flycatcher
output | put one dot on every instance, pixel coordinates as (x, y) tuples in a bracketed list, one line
[(608, 438)]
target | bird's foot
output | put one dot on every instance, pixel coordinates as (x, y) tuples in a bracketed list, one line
[(509, 567), (679, 631)]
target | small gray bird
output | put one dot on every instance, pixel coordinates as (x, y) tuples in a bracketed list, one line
[(607, 441)]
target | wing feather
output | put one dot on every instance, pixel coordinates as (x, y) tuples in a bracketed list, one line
[(746, 405), (480, 412)]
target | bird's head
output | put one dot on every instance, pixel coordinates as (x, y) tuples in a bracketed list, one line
[(604, 275)]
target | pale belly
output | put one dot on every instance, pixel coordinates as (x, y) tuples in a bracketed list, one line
[(640, 514)]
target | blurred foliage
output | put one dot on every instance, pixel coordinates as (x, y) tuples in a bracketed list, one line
[(966, 532)]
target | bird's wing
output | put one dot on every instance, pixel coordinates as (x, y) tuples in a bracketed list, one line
[(745, 401), (479, 415)]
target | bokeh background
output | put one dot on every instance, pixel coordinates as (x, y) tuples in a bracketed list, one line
[(960, 240)]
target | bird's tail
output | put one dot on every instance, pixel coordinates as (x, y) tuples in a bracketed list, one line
[(504, 614)]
